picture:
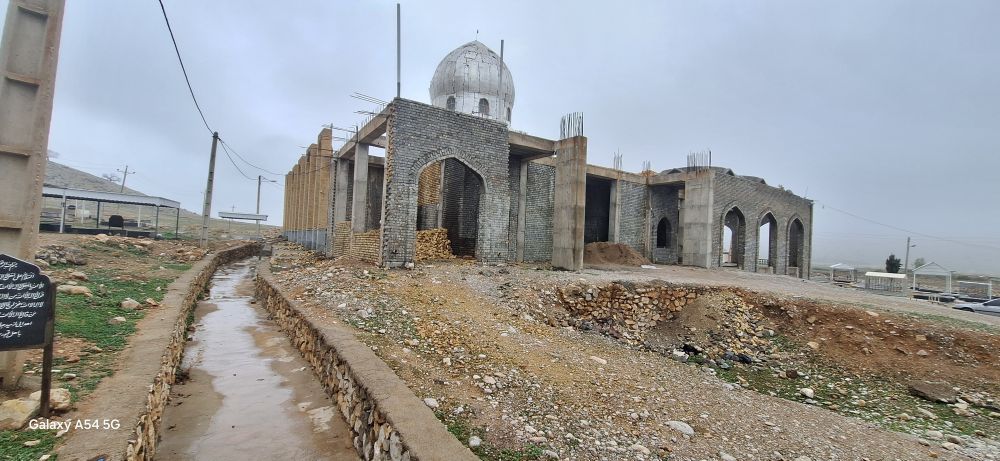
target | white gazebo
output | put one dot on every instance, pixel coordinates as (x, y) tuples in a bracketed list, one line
[(841, 272), (932, 270)]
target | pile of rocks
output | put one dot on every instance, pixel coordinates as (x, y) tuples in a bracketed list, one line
[(433, 244), (724, 327), (57, 254), (628, 311)]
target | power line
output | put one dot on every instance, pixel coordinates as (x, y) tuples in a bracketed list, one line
[(226, 150), (183, 69), (237, 154), (890, 226)]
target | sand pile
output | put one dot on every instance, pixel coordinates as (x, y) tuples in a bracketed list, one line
[(605, 253)]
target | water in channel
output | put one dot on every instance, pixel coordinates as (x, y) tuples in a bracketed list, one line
[(248, 393)]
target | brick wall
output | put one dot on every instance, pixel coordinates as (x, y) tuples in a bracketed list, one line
[(538, 212), (755, 200), (364, 246), (663, 204), (632, 205), (419, 134), (340, 240), (373, 220)]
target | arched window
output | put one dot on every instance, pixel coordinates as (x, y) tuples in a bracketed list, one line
[(508, 114), (484, 107), (663, 234), (451, 103)]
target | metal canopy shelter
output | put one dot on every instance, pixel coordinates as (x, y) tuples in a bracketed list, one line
[(100, 197), (245, 217), (884, 281)]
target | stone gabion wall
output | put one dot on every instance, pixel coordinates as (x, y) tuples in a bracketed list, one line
[(628, 311), (539, 207), (754, 199), (419, 134), (632, 215), (142, 445), (388, 422)]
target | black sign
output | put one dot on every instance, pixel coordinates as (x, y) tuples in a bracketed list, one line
[(26, 304)]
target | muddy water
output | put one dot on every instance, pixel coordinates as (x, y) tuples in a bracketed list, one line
[(248, 395)]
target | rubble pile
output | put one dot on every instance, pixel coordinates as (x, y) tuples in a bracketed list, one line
[(433, 244), (58, 254), (678, 320), (627, 311)]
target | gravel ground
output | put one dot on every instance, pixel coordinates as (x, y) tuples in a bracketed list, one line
[(467, 339)]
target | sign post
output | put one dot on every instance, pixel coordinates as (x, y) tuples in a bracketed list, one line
[(27, 314)]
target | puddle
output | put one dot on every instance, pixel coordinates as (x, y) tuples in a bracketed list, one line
[(248, 394)]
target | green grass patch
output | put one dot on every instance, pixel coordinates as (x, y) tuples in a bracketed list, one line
[(12, 445), (88, 318), (462, 431), (175, 266)]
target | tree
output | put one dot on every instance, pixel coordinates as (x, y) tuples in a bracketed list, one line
[(919, 262), (892, 264), (111, 177)]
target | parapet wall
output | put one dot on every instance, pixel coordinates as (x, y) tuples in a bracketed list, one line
[(388, 421)]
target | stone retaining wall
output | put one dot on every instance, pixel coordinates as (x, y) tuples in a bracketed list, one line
[(388, 421), (142, 445)]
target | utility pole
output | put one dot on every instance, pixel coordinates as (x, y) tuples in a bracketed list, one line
[(259, 178), (207, 209), (124, 177)]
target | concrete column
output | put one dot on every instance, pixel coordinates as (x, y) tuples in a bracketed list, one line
[(569, 203), (522, 203), (340, 185), (698, 229), (287, 209), (29, 51), (360, 197)]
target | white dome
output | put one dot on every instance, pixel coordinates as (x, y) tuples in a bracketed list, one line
[(469, 80)]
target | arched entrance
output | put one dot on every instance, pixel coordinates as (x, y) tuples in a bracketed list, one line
[(733, 238), (767, 241), (796, 241), (449, 196)]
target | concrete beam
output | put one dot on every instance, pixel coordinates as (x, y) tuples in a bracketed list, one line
[(526, 145), (360, 198), (372, 134), (569, 203)]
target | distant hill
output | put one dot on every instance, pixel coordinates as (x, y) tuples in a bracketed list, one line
[(59, 175)]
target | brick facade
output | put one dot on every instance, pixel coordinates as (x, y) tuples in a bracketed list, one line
[(419, 135), (755, 200), (539, 204)]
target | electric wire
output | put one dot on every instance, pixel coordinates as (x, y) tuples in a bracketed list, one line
[(230, 157), (890, 226), (184, 69), (237, 154)]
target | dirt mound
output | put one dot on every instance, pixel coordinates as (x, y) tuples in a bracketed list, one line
[(605, 253)]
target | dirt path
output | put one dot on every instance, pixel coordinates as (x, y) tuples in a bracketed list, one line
[(248, 394), (467, 336)]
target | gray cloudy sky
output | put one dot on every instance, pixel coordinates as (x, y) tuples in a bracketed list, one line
[(887, 110)]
